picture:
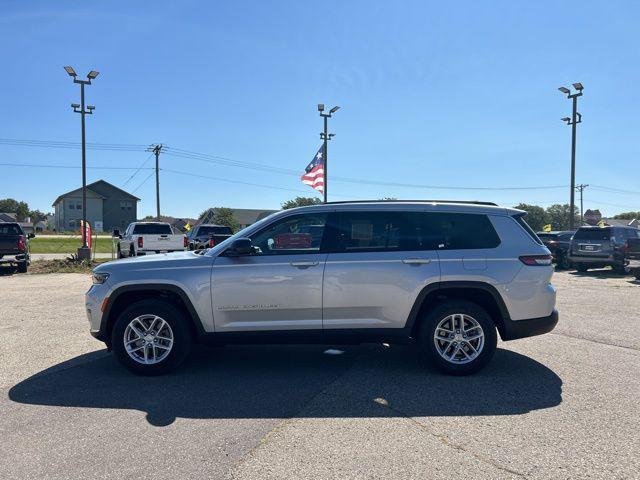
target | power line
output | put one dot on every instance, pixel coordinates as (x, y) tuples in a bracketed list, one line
[(137, 170), (143, 182), (65, 166)]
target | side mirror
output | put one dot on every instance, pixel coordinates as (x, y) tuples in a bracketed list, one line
[(240, 247), (31, 235), (116, 233)]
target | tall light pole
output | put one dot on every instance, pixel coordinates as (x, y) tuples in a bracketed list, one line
[(84, 252), (326, 136), (575, 119)]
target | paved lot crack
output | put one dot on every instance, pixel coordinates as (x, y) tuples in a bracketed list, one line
[(442, 438), (626, 347)]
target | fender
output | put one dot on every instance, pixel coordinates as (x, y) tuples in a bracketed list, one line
[(460, 285), (148, 287)]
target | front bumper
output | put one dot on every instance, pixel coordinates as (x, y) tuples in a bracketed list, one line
[(514, 329)]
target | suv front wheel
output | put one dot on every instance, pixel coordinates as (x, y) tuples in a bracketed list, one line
[(458, 337), (151, 337)]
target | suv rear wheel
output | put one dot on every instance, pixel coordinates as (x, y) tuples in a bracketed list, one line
[(458, 337), (151, 337)]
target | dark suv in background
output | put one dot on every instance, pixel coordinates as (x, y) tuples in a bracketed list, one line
[(597, 247), (558, 244)]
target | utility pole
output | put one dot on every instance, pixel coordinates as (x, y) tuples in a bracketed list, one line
[(573, 121), (156, 149), (84, 252), (325, 136), (581, 188)]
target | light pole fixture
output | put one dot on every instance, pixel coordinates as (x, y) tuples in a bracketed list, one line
[(84, 252), (325, 136), (573, 122)]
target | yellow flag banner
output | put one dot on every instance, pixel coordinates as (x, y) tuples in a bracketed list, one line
[(546, 228)]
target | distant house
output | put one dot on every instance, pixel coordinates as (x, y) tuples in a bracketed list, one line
[(108, 207), (8, 217), (616, 222), (243, 216)]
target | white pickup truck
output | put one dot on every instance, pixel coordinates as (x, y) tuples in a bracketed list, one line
[(144, 238)]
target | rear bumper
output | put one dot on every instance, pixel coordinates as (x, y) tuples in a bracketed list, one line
[(514, 329), (19, 258), (593, 260)]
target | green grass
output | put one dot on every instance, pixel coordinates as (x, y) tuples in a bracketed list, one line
[(63, 266), (64, 244)]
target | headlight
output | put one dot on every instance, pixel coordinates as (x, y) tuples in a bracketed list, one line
[(99, 278)]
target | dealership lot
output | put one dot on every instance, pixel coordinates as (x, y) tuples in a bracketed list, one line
[(563, 405)]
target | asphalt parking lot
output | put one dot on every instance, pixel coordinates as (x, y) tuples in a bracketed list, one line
[(563, 405)]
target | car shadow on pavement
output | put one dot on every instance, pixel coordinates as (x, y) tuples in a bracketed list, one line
[(296, 381), (7, 270), (603, 273)]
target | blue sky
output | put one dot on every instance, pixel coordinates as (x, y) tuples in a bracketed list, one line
[(443, 94)]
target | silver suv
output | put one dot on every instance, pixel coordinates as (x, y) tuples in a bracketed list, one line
[(448, 276)]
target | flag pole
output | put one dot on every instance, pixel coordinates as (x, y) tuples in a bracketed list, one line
[(326, 159)]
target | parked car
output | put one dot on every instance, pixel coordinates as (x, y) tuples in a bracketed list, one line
[(449, 276), (143, 238), (14, 246), (558, 244), (207, 235), (598, 247), (633, 256)]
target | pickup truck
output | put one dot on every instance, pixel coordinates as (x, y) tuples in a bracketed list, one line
[(14, 246), (633, 255), (207, 236), (144, 238)]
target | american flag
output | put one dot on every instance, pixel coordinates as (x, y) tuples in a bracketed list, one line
[(314, 173)]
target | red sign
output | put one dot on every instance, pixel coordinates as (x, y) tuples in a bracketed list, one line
[(292, 240)]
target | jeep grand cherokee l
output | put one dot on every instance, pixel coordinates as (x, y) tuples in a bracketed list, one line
[(448, 276)]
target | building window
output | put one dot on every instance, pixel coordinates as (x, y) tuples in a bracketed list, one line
[(79, 206), (72, 206), (126, 205)]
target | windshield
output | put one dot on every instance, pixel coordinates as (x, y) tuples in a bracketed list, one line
[(242, 233)]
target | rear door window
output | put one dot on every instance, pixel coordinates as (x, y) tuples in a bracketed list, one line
[(10, 230), (367, 231), (152, 229), (593, 234)]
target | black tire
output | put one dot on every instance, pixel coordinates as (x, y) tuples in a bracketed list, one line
[(620, 269), (181, 336), (120, 252), (22, 267), (562, 262), (427, 342), (132, 251), (581, 267)]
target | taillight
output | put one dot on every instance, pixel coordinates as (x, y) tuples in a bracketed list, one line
[(625, 248), (140, 242), (536, 260), (185, 242), (22, 246)]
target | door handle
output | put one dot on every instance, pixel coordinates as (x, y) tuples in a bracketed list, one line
[(304, 264), (416, 261)]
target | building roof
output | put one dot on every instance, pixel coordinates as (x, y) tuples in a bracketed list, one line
[(617, 222), (97, 183), (7, 217)]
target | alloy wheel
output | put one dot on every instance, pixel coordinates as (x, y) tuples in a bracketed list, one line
[(148, 339), (459, 338)]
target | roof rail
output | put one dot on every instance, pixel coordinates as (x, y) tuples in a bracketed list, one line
[(473, 202)]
